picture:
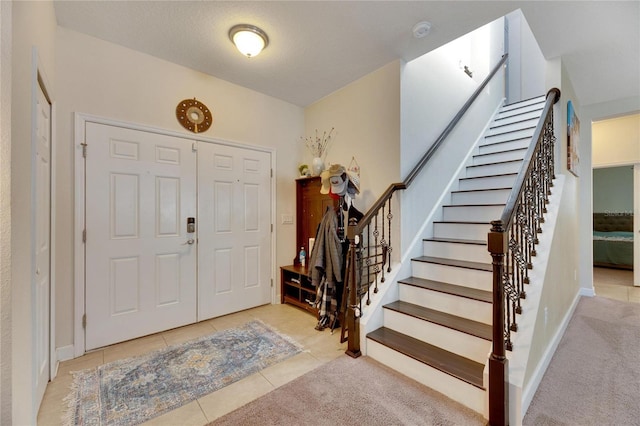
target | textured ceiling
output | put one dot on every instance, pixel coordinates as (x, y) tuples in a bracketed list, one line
[(317, 47)]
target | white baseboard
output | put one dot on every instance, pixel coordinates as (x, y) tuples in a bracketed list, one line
[(536, 378), (588, 292), (65, 353)]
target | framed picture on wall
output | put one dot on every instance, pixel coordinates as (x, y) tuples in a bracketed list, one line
[(573, 138)]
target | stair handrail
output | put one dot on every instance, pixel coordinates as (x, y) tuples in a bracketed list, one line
[(354, 307), (512, 242)]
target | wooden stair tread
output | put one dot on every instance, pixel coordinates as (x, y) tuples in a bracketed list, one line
[(445, 361), (509, 131), (500, 152), (498, 125), (453, 289), (475, 205), (456, 241), (490, 176), (460, 221), (464, 191), (455, 262), (444, 319), (527, 138), (497, 162)]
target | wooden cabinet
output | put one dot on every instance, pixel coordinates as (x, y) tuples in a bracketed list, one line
[(310, 207), (297, 288), (295, 280)]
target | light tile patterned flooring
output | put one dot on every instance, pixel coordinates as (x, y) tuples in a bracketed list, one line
[(319, 347), (615, 284)]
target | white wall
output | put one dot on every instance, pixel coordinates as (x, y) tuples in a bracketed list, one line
[(34, 25), (526, 62), (366, 118), (616, 141), (104, 79), (433, 91), (5, 213)]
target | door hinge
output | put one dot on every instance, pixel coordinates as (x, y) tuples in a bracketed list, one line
[(84, 149), (271, 172), (194, 146), (272, 227), (84, 235), (84, 321), (271, 282)]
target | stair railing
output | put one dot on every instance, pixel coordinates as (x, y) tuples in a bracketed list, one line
[(369, 255), (512, 243)]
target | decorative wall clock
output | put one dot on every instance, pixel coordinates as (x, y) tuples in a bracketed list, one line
[(194, 115)]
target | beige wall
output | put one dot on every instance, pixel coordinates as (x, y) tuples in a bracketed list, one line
[(366, 118), (34, 25), (5, 212), (616, 141), (107, 80)]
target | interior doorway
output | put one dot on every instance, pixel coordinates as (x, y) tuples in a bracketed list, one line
[(616, 201)]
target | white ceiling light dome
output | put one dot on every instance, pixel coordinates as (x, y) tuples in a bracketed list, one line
[(249, 39)]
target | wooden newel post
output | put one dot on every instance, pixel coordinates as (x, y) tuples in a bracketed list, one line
[(353, 324), (498, 362)]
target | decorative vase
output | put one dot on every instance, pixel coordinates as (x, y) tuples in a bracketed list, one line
[(317, 166)]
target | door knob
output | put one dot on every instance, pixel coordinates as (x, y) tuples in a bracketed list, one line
[(189, 241)]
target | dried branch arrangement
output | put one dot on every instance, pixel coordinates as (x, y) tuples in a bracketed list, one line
[(318, 145)]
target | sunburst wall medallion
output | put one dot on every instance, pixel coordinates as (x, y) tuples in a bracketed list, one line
[(194, 115)]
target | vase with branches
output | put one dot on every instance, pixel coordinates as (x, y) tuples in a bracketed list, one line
[(318, 145)]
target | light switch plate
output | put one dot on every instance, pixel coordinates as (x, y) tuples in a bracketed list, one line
[(287, 219)]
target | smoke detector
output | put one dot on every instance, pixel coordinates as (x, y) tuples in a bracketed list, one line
[(421, 29)]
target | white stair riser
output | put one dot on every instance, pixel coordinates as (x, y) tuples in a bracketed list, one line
[(494, 169), (499, 156), (487, 182), (509, 119), (462, 231), (525, 105), (504, 146), (497, 196), (472, 213), (458, 390), (460, 251), (460, 306), (503, 137), (451, 340), (498, 128), (465, 277)]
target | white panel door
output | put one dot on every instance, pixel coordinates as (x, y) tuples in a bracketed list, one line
[(140, 260), (636, 225), (234, 235), (42, 211)]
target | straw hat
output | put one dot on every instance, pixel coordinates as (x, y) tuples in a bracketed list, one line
[(349, 181)]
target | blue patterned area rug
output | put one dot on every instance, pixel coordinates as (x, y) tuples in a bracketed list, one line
[(134, 390)]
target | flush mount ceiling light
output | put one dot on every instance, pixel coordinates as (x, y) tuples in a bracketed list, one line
[(421, 29), (249, 39)]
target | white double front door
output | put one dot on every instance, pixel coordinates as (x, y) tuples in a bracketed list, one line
[(146, 269)]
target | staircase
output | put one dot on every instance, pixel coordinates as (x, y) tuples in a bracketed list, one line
[(439, 331)]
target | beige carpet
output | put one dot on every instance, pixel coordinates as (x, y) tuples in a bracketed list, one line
[(593, 379), (594, 376), (352, 391)]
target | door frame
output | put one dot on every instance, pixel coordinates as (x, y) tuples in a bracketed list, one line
[(636, 224), (80, 120), (40, 81)]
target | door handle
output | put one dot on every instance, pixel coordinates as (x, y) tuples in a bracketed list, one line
[(189, 241)]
